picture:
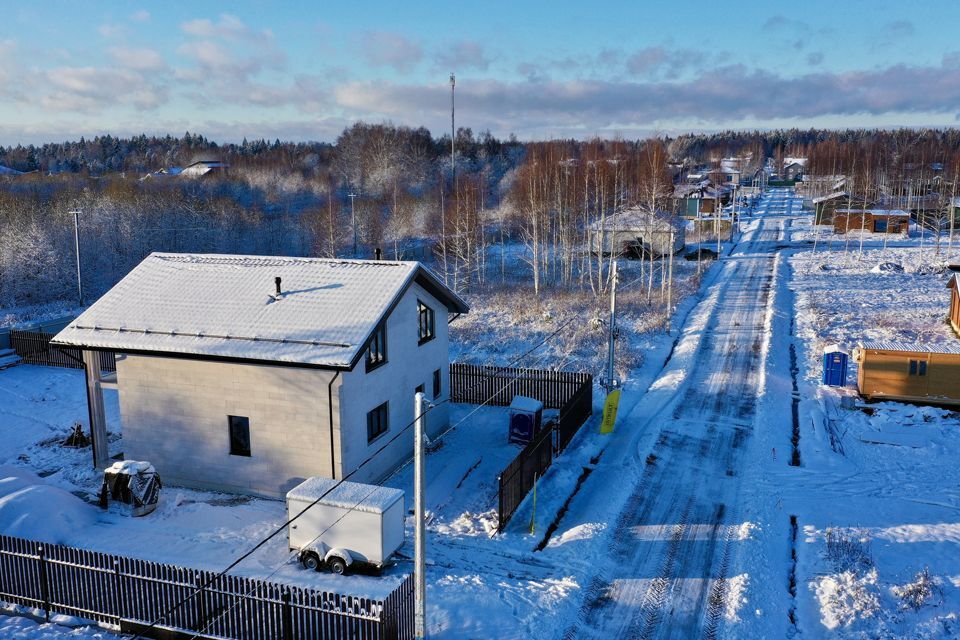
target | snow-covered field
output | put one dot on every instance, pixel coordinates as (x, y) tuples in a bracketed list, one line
[(879, 539)]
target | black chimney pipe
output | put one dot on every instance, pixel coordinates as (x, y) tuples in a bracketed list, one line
[(277, 281), (377, 253)]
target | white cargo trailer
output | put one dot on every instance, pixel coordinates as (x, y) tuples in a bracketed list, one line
[(353, 524)]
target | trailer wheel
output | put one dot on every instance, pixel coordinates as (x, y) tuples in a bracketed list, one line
[(311, 561), (337, 566)]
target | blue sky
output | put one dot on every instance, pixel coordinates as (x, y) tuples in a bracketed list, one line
[(304, 70)]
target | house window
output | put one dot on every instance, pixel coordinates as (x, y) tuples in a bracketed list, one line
[(419, 389), (378, 422), (918, 367), (377, 351), (425, 314), (436, 383), (239, 435)]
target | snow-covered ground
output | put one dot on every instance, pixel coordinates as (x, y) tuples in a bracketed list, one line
[(692, 519), (885, 512)]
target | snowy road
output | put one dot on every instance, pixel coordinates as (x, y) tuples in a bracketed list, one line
[(672, 542)]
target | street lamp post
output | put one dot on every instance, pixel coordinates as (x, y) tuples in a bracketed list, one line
[(76, 245)]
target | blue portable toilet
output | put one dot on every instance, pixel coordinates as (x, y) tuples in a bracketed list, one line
[(835, 360), (526, 418)]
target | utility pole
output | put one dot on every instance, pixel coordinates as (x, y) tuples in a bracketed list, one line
[(353, 222), (76, 244), (670, 281), (610, 382), (419, 536), (453, 130)]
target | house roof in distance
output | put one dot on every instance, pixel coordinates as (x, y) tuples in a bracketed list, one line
[(212, 306), (637, 218)]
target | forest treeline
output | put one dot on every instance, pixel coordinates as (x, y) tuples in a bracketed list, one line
[(533, 201)]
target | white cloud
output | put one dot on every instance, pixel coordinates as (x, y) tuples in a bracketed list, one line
[(138, 58), (466, 54), (390, 49), (228, 27), (140, 16)]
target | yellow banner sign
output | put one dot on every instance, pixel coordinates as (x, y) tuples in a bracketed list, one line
[(610, 411)]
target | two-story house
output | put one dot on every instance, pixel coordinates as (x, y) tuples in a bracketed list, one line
[(250, 373)]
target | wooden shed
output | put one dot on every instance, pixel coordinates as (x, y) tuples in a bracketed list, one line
[(954, 302), (924, 373), (873, 220)]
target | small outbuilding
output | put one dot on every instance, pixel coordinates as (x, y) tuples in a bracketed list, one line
[(835, 363), (872, 220), (637, 232), (824, 207), (924, 373), (952, 284)]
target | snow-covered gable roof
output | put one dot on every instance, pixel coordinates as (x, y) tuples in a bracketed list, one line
[(7, 171), (830, 196), (878, 212), (637, 218), (212, 306)]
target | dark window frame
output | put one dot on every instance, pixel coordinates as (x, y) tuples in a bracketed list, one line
[(421, 388), (426, 322), (917, 368), (437, 383), (377, 348), (378, 421), (239, 434)]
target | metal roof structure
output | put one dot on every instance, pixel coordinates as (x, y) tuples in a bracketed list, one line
[(226, 307)]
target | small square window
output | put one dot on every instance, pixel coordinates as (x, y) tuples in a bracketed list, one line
[(239, 435), (437, 382), (378, 422), (419, 389), (377, 351), (426, 322)]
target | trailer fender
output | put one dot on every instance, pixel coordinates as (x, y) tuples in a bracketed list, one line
[(339, 552)]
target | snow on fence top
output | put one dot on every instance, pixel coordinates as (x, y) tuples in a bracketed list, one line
[(346, 495), (227, 306)]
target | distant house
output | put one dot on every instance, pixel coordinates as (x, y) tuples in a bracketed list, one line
[(872, 220), (793, 170), (703, 198), (924, 373), (637, 232), (825, 206), (204, 168), (167, 172), (250, 374)]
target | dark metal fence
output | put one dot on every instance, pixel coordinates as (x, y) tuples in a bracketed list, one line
[(34, 347), (474, 384), (570, 392), (132, 593)]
